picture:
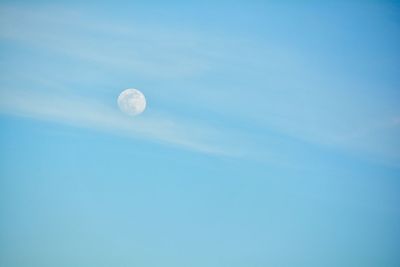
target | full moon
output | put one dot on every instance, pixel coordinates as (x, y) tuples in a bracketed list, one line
[(132, 102)]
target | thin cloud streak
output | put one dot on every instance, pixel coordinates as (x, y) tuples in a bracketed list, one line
[(81, 112), (114, 46)]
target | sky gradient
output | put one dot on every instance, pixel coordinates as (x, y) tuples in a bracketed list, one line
[(271, 135)]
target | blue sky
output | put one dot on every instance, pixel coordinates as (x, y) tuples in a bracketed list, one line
[(270, 138)]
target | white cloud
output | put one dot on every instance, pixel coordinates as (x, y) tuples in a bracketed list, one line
[(276, 88), (128, 49), (143, 49), (81, 112)]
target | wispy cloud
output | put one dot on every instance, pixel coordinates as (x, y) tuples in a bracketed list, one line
[(116, 47), (266, 87), (144, 50), (87, 113)]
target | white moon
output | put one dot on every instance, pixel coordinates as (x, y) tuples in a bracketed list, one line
[(131, 102)]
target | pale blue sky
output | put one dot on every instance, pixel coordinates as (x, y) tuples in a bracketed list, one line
[(271, 136)]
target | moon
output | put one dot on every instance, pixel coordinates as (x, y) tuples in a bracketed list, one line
[(132, 102)]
